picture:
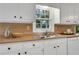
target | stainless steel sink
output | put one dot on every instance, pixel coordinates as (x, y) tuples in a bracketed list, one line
[(51, 36)]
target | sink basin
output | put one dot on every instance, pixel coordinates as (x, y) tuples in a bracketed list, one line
[(49, 36)]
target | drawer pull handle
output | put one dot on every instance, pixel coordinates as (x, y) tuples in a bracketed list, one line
[(14, 16), (33, 44), (8, 48), (18, 53), (25, 52), (20, 17), (54, 47), (58, 46)]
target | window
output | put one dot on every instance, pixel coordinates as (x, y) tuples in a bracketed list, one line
[(42, 18), (40, 23)]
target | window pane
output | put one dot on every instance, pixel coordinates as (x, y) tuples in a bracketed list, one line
[(38, 21), (43, 23), (38, 25), (47, 23), (38, 13)]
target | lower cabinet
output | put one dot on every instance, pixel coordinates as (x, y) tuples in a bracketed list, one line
[(73, 46), (56, 47), (61, 45), (33, 47), (4, 52), (50, 51), (35, 51), (50, 47), (15, 52), (10, 49)]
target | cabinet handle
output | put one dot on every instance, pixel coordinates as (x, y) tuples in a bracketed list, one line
[(8, 48), (20, 17), (54, 47), (58, 46), (25, 52), (33, 44), (14, 16), (19, 53)]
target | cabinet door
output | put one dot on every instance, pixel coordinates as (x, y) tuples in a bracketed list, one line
[(27, 11), (73, 46), (33, 44), (51, 13), (14, 46), (8, 11), (4, 49), (51, 19), (76, 13), (10, 48), (33, 47), (15, 52), (61, 45), (35, 51), (56, 15), (4, 52), (50, 51), (49, 47), (67, 14)]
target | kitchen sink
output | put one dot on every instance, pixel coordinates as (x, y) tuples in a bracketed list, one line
[(51, 36)]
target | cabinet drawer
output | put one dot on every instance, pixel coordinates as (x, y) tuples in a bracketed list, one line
[(33, 44), (37, 43), (4, 53), (35, 51), (15, 52), (15, 46), (3, 47), (49, 43), (72, 39), (10, 46)]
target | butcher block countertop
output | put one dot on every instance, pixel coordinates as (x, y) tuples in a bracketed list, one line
[(32, 38)]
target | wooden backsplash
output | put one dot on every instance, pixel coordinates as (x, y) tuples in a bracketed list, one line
[(62, 28), (16, 28)]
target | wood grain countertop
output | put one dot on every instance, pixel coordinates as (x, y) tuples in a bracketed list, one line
[(31, 38)]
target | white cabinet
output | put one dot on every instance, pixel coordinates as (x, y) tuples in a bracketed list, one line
[(55, 47), (8, 11), (54, 18), (35, 51), (33, 47), (56, 15), (61, 45), (73, 46), (17, 13), (51, 19), (22, 48), (11, 49), (49, 47), (27, 11), (4, 52), (50, 51), (76, 13), (67, 14)]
